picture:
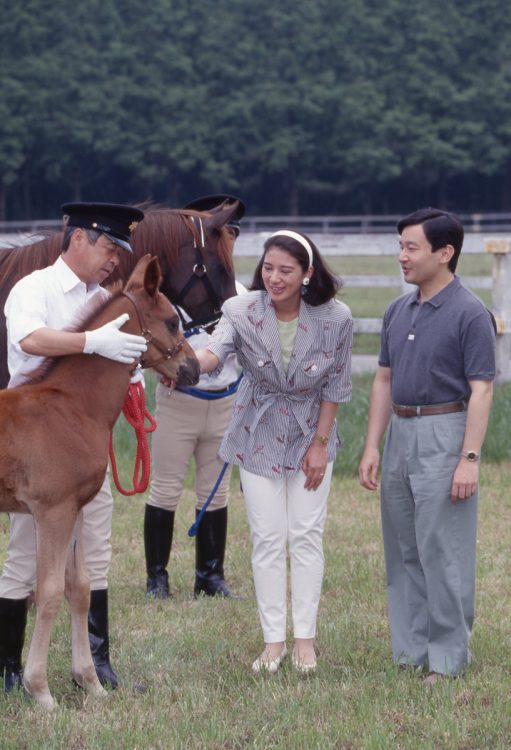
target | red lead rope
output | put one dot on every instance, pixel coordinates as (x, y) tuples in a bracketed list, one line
[(135, 411)]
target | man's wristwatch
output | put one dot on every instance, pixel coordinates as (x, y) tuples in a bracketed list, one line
[(470, 455)]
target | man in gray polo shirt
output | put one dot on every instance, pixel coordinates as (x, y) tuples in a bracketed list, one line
[(434, 386)]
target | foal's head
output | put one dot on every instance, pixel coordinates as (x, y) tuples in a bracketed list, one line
[(152, 315)]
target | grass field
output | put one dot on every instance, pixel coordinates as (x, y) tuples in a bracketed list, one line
[(194, 656)]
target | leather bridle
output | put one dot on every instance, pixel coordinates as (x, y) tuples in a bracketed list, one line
[(199, 274), (151, 339)]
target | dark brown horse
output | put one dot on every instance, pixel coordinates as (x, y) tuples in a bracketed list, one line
[(77, 402), (193, 250)]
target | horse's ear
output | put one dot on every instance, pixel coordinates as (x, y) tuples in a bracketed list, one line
[(146, 274), (152, 277), (221, 216)]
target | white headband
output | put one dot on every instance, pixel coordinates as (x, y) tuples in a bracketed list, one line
[(298, 237)]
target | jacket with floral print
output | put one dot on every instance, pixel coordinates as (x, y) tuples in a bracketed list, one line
[(275, 414)]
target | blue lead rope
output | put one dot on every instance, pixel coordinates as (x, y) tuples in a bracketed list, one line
[(192, 531), (210, 395)]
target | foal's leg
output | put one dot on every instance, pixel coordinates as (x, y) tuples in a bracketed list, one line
[(54, 526), (77, 592)]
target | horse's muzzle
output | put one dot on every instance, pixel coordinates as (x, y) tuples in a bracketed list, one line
[(189, 371)]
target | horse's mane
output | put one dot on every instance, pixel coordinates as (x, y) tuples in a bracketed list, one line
[(160, 233), (171, 223), (18, 261)]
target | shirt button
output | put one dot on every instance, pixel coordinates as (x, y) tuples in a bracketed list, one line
[(260, 363), (314, 368)]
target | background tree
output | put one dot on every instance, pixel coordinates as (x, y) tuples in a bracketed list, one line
[(324, 107)]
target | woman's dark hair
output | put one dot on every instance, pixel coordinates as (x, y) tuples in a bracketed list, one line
[(440, 227), (323, 284)]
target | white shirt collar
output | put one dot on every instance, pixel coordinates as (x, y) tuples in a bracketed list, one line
[(68, 279)]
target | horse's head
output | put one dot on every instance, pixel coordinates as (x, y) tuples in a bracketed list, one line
[(195, 254), (167, 352)]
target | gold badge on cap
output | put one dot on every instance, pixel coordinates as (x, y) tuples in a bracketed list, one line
[(133, 225)]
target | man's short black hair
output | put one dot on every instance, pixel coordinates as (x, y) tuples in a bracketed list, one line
[(440, 227)]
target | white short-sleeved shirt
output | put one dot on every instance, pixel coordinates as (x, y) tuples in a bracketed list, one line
[(53, 297)]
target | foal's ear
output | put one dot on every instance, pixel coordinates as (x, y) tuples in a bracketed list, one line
[(152, 277)]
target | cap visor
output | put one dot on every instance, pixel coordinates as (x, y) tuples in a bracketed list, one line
[(122, 243)]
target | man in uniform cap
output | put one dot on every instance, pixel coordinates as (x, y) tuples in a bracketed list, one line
[(37, 310), (111, 219), (192, 424)]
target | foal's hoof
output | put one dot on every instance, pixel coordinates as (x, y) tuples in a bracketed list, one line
[(47, 703), (92, 687), (44, 700)]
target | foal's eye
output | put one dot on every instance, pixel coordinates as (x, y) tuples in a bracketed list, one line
[(173, 324)]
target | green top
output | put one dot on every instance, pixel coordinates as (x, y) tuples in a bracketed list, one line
[(287, 333)]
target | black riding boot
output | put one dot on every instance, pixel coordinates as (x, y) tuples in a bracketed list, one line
[(158, 530), (98, 638), (209, 554), (13, 622)]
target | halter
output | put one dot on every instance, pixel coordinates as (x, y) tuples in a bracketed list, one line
[(147, 334), (199, 273)]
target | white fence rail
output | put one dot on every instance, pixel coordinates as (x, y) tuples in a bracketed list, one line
[(332, 236), (494, 222), (377, 245)]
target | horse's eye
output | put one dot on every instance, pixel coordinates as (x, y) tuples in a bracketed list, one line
[(173, 324)]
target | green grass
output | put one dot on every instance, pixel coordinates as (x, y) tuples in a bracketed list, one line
[(194, 656), (475, 264)]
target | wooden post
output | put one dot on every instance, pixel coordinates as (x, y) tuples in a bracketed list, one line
[(501, 300)]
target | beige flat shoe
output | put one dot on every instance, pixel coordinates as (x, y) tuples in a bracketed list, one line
[(303, 667), (262, 663)]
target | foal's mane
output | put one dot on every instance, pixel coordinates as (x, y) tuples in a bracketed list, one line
[(81, 323)]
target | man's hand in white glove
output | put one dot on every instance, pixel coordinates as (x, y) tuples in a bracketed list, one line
[(110, 342)]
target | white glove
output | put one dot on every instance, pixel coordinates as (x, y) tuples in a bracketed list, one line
[(137, 376), (110, 342)]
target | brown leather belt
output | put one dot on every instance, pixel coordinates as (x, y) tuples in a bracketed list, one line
[(428, 411)]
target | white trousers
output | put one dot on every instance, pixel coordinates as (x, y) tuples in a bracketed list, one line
[(20, 569), (280, 513)]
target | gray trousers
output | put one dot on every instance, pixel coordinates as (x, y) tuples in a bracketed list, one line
[(429, 543)]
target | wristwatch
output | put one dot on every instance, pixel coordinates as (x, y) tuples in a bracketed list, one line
[(470, 455)]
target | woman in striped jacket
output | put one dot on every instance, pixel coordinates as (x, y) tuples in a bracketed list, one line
[(293, 340)]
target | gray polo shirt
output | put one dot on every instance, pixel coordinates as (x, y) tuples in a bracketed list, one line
[(433, 349)]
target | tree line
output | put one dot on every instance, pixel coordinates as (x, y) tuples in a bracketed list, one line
[(300, 107)]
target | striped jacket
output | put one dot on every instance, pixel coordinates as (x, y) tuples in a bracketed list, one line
[(274, 418)]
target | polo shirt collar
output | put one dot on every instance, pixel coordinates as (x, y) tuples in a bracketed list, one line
[(445, 293), (441, 297)]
